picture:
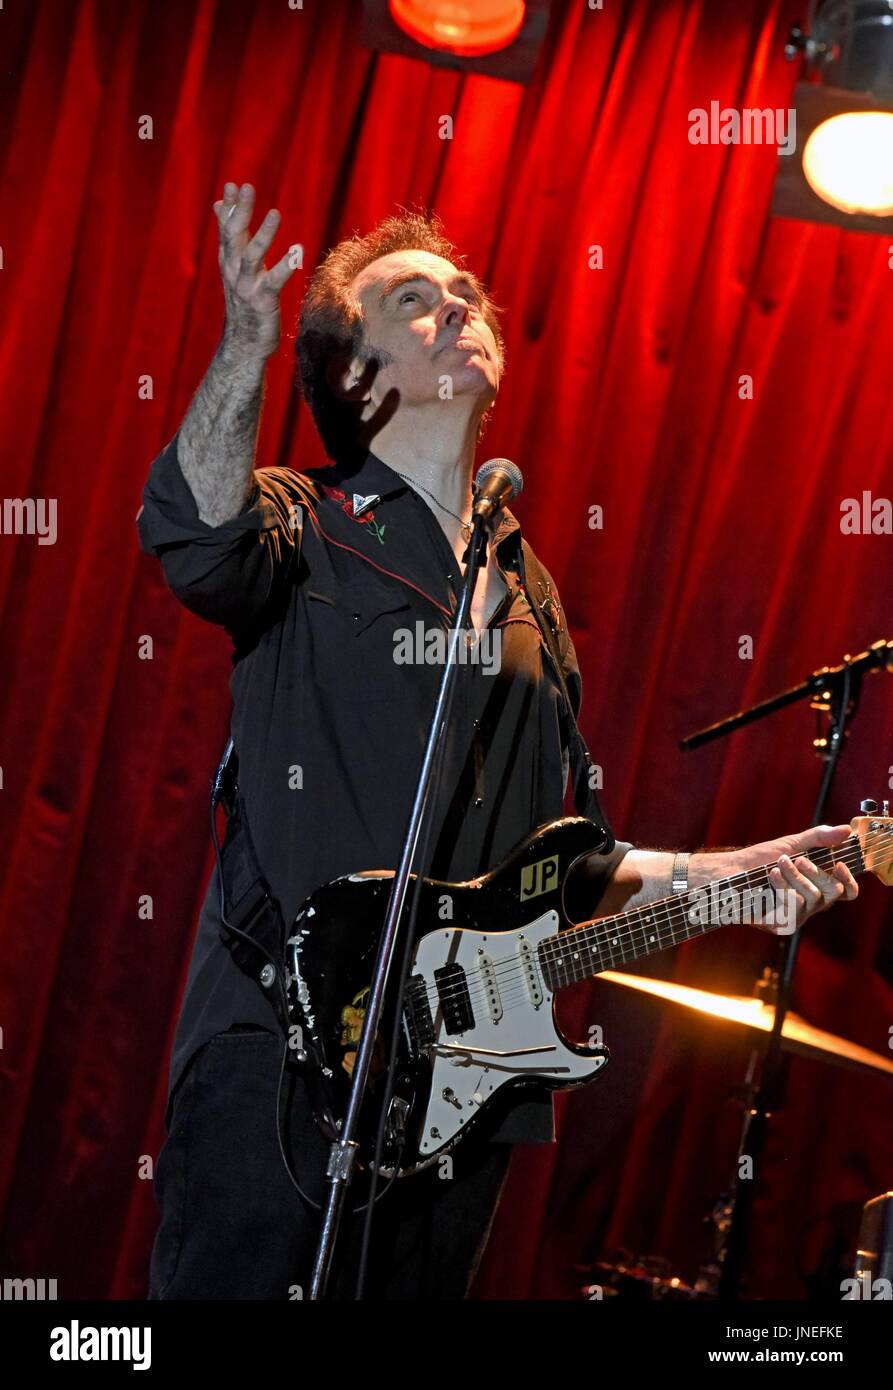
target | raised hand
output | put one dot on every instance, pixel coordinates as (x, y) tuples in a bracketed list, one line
[(252, 328), (217, 440)]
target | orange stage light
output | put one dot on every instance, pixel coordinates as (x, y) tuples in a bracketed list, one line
[(468, 28)]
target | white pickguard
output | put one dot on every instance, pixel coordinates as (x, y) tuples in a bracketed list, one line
[(513, 1035)]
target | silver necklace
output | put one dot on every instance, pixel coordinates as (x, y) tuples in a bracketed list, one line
[(413, 482)]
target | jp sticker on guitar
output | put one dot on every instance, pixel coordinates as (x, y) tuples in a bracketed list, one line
[(478, 1024)]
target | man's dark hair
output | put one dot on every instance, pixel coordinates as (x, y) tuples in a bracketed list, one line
[(331, 323)]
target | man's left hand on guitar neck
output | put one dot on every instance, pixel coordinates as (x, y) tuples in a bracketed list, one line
[(801, 887)]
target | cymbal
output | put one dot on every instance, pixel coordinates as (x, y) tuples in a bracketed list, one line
[(798, 1036)]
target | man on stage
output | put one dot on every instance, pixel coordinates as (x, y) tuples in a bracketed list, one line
[(314, 576)]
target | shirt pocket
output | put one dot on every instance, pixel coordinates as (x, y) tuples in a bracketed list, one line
[(355, 629)]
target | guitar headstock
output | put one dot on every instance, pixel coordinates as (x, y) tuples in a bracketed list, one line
[(875, 834)]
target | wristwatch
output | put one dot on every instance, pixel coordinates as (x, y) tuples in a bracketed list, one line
[(680, 872)]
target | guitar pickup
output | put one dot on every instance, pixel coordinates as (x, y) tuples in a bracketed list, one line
[(531, 979), (455, 1001), (491, 988)]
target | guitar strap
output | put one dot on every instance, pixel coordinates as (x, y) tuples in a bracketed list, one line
[(546, 609)]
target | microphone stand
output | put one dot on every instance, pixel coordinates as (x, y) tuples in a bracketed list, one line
[(343, 1151), (834, 691)]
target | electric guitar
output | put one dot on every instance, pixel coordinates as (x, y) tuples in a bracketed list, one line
[(478, 1024)]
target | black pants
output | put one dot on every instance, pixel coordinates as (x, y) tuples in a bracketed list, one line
[(233, 1226)]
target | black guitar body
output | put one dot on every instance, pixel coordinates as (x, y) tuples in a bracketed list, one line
[(477, 1023)]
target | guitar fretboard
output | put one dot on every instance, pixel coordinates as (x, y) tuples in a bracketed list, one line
[(579, 954)]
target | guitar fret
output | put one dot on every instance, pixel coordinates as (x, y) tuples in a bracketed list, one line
[(581, 953)]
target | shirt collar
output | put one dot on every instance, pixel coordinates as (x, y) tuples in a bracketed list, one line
[(371, 476)]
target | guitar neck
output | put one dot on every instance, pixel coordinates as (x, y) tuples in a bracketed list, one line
[(586, 950)]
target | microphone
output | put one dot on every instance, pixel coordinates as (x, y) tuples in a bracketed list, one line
[(497, 482)]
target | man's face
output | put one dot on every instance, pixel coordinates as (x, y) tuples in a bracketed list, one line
[(424, 317)]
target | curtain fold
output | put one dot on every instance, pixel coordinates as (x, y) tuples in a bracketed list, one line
[(627, 390)]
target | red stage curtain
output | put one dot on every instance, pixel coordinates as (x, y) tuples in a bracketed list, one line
[(721, 519)]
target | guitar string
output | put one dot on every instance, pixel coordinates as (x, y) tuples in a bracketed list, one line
[(510, 965), (612, 938), (515, 997), (659, 913), (610, 941), (606, 946)]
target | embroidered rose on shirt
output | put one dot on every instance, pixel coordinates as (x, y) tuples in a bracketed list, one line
[(358, 508)]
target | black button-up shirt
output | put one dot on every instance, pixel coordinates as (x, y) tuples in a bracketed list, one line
[(329, 728)]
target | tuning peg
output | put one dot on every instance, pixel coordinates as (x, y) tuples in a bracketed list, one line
[(868, 808)]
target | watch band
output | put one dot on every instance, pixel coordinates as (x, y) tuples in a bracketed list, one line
[(680, 872)]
